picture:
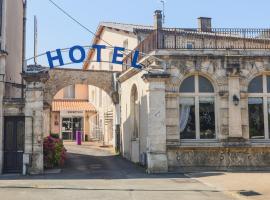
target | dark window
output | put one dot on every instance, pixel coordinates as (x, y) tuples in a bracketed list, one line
[(205, 85), (190, 45), (256, 85), (188, 85), (268, 84), (256, 119), (207, 119)]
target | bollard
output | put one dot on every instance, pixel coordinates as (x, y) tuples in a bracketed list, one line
[(79, 137)]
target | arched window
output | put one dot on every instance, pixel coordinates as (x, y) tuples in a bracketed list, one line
[(258, 107), (197, 109)]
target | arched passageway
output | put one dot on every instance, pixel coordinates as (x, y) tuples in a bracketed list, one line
[(42, 85)]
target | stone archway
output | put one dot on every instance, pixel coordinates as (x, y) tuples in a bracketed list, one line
[(60, 78), (41, 86)]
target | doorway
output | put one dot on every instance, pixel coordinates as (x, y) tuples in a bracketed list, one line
[(69, 127), (13, 144)]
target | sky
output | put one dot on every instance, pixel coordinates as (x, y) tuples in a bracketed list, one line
[(55, 30)]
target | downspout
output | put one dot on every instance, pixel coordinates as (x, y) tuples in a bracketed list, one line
[(24, 44)]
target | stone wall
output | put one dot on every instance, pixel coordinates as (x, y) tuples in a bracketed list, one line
[(231, 119), (218, 158)]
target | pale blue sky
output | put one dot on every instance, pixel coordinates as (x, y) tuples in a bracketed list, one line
[(57, 31)]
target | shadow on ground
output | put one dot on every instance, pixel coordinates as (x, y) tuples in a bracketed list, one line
[(80, 166)]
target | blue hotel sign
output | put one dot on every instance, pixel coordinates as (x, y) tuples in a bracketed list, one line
[(117, 57)]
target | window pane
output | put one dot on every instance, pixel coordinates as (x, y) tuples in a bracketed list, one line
[(187, 118), (268, 111), (205, 85), (207, 118), (69, 92), (256, 124), (256, 85), (268, 84), (188, 85)]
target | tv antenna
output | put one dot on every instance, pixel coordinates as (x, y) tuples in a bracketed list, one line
[(163, 9)]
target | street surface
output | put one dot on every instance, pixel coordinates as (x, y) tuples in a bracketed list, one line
[(96, 173)]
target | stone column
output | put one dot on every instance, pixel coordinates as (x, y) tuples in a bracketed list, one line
[(34, 130), (156, 133), (235, 121)]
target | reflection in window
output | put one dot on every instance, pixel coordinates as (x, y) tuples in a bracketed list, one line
[(188, 85), (187, 118), (256, 85), (207, 118), (205, 86), (256, 120), (259, 107), (197, 109)]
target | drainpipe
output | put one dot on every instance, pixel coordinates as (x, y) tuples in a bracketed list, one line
[(24, 44)]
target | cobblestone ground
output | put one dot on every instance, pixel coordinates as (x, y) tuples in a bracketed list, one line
[(92, 172)]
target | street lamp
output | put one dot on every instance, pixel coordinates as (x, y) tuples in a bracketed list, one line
[(236, 100)]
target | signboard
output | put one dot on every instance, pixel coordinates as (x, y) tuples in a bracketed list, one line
[(117, 58)]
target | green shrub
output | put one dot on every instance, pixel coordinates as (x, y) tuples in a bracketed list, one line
[(54, 135)]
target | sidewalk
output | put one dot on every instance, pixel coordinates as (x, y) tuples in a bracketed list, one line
[(242, 185)]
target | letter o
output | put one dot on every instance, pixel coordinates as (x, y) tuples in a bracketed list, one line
[(71, 54)]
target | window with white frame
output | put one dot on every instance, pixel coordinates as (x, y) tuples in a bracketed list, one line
[(197, 108), (258, 107)]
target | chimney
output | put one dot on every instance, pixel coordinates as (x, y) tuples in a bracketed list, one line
[(158, 19), (204, 24)]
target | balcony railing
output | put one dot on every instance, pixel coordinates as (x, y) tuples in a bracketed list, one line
[(192, 39)]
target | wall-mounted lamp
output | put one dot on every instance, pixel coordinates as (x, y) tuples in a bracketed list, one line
[(236, 100)]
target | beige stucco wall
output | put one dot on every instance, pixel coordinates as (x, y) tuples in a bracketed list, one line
[(14, 38), (116, 39), (104, 104), (126, 123), (81, 92)]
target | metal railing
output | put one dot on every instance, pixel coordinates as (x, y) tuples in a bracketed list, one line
[(216, 38)]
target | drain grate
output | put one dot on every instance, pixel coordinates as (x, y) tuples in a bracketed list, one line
[(249, 193)]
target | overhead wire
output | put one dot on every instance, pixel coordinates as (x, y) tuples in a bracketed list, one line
[(93, 33)]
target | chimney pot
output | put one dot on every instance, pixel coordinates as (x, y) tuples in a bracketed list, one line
[(158, 19), (205, 24)]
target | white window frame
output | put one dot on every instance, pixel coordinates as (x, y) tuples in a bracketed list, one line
[(196, 95), (265, 96)]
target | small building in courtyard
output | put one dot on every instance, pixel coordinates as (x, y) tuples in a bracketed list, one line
[(71, 112)]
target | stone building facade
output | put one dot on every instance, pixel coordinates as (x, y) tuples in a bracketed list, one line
[(105, 123), (11, 87), (71, 112), (201, 101)]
